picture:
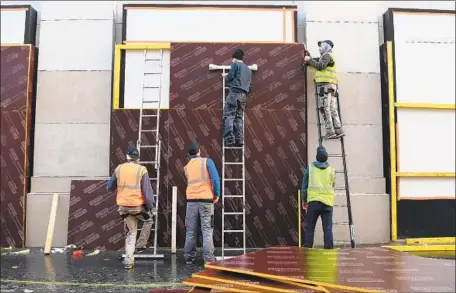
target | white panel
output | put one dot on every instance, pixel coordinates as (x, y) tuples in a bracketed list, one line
[(426, 188), (289, 25), (366, 11), (426, 140), (424, 27), (355, 45), (188, 2), (443, 5), (434, 81), (134, 78), (76, 10), (76, 45), (12, 26), (205, 25)]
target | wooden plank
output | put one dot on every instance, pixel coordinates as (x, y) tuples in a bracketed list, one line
[(51, 225), (173, 220)]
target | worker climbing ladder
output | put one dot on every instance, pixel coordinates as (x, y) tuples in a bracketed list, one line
[(232, 197), (151, 143), (344, 171)]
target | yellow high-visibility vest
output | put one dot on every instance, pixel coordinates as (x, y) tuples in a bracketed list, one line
[(328, 74), (320, 186)]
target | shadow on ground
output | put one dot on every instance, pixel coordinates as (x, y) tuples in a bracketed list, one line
[(60, 272)]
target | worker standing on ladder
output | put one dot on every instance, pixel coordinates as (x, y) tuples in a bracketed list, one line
[(326, 88), (318, 198), (135, 200), (203, 191), (240, 80)]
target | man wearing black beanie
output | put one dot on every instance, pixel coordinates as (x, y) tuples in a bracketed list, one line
[(318, 198), (239, 79)]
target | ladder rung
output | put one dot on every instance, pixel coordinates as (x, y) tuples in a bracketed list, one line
[(335, 155), (342, 242), (340, 172), (234, 163), (340, 223), (233, 213), (152, 59), (144, 102), (340, 205), (233, 196), (147, 162), (148, 146), (151, 87), (233, 249), (233, 147), (339, 188), (153, 179), (149, 116), (150, 73), (233, 179), (149, 130), (233, 231)]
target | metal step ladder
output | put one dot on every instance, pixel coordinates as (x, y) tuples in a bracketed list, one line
[(344, 171), (232, 197), (154, 143)]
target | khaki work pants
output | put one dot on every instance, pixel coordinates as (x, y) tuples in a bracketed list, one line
[(131, 215)]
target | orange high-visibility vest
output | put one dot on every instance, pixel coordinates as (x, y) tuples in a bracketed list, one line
[(129, 177), (199, 184)]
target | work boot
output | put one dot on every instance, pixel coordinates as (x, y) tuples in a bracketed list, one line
[(239, 143), (128, 266), (229, 143), (330, 135), (189, 261), (339, 133)]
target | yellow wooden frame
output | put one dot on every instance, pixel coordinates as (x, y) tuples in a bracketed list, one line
[(440, 240), (395, 174), (117, 64), (405, 248)]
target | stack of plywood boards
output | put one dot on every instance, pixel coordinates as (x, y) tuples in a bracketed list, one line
[(294, 269)]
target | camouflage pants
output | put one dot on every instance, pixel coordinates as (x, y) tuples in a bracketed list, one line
[(327, 104), (131, 216)]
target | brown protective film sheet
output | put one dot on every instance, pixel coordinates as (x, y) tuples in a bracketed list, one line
[(16, 100), (256, 283), (93, 220), (356, 270)]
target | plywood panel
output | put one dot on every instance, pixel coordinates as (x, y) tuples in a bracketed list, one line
[(17, 75)]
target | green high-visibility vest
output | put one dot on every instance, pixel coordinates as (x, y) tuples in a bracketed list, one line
[(328, 74), (320, 186)]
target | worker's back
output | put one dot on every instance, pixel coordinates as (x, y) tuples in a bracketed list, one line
[(129, 177), (242, 77)]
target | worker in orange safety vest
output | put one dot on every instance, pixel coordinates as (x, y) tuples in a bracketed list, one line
[(203, 191), (136, 202)]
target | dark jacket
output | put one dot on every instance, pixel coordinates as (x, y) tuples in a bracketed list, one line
[(239, 77), (305, 178)]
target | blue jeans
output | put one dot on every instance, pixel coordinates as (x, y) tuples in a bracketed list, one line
[(205, 211), (233, 117), (316, 209)]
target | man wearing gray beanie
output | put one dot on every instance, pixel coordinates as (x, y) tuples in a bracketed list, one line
[(318, 198)]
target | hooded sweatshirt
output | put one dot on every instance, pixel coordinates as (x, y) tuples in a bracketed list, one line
[(325, 59), (305, 179)]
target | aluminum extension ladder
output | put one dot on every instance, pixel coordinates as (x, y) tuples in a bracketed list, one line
[(155, 143), (227, 197), (344, 171)]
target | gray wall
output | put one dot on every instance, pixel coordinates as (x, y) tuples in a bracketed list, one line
[(74, 101)]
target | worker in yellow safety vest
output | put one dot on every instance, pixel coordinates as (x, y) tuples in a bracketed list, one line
[(326, 88), (203, 191), (318, 198), (136, 202)]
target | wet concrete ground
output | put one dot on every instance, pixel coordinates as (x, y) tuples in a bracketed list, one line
[(104, 272), (35, 273)]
